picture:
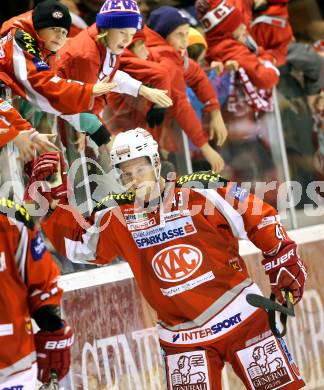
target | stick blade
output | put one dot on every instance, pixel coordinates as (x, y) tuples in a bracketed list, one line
[(268, 304)]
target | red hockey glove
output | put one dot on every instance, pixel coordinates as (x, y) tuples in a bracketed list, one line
[(286, 271), (53, 352), (49, 169)]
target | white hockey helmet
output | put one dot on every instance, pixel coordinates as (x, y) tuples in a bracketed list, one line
[(132, 144)]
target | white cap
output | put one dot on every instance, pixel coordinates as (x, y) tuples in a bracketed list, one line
[(133, 144)]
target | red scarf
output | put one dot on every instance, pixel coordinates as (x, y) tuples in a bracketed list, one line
[(242, 92)]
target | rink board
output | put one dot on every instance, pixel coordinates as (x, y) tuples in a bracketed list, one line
[(117, 346)]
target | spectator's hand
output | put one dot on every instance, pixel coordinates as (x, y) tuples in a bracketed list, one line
[(53, 352), (215, 159), (232, 65), (103, 87), (81, 141), (42, 142), (217, 128), (25, 144), (156, 96), (286, 271), (217, 66)]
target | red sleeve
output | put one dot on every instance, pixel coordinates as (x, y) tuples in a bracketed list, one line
[(262, 77), (43, 88), (197, 80), (182, 110), (11, 120), (81, 240), (42, 274), (274, 40), (251, 218)]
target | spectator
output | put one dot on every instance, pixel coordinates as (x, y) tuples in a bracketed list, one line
[(271, 28), (35, 36), (229, 42), (123, 111), (167, 33), (94, 54)]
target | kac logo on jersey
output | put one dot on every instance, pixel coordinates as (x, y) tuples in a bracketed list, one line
[(177, 262), (40, 64), (37, 247)]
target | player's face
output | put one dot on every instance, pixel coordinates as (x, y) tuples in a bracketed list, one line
[(54, 37), (179, 38), (118, 39), (139, 49), (138, 175)]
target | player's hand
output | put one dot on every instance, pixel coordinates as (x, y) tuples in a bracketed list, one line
[(54, 352), (215, 159), (217, 128), (156, 96), (286, 271), (50, 169)]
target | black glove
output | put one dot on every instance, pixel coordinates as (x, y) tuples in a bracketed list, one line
[(155, 116)]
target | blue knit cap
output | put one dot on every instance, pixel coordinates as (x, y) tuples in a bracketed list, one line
[(166, 19), (119, 14)]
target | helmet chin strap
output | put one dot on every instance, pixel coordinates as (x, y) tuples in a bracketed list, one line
[(157, 171)]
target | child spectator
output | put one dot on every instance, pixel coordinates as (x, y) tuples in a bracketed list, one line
[(94, 54), (27, 42), (229, 42), (167, 33)]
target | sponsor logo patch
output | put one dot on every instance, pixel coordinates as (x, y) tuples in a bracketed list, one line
[(40, 64), (265, 365), (215, 328), (135, 217), (177, 262), (141, 224), (158, 235), (170, 292), (5, 106), (37, 247), (238, 192), (188, 371)]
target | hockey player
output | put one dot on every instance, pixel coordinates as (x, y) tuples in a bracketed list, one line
[(26, 44), (94, 55), (167, 33), (184, 255), (28, 280)]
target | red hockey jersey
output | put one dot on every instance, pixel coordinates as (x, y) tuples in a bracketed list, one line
[(11, 122), (24, 58), (183, 70), (28, 277), (185, 259)]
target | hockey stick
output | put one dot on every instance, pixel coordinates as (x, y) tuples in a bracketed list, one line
[(271, 306), (53, 384)]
